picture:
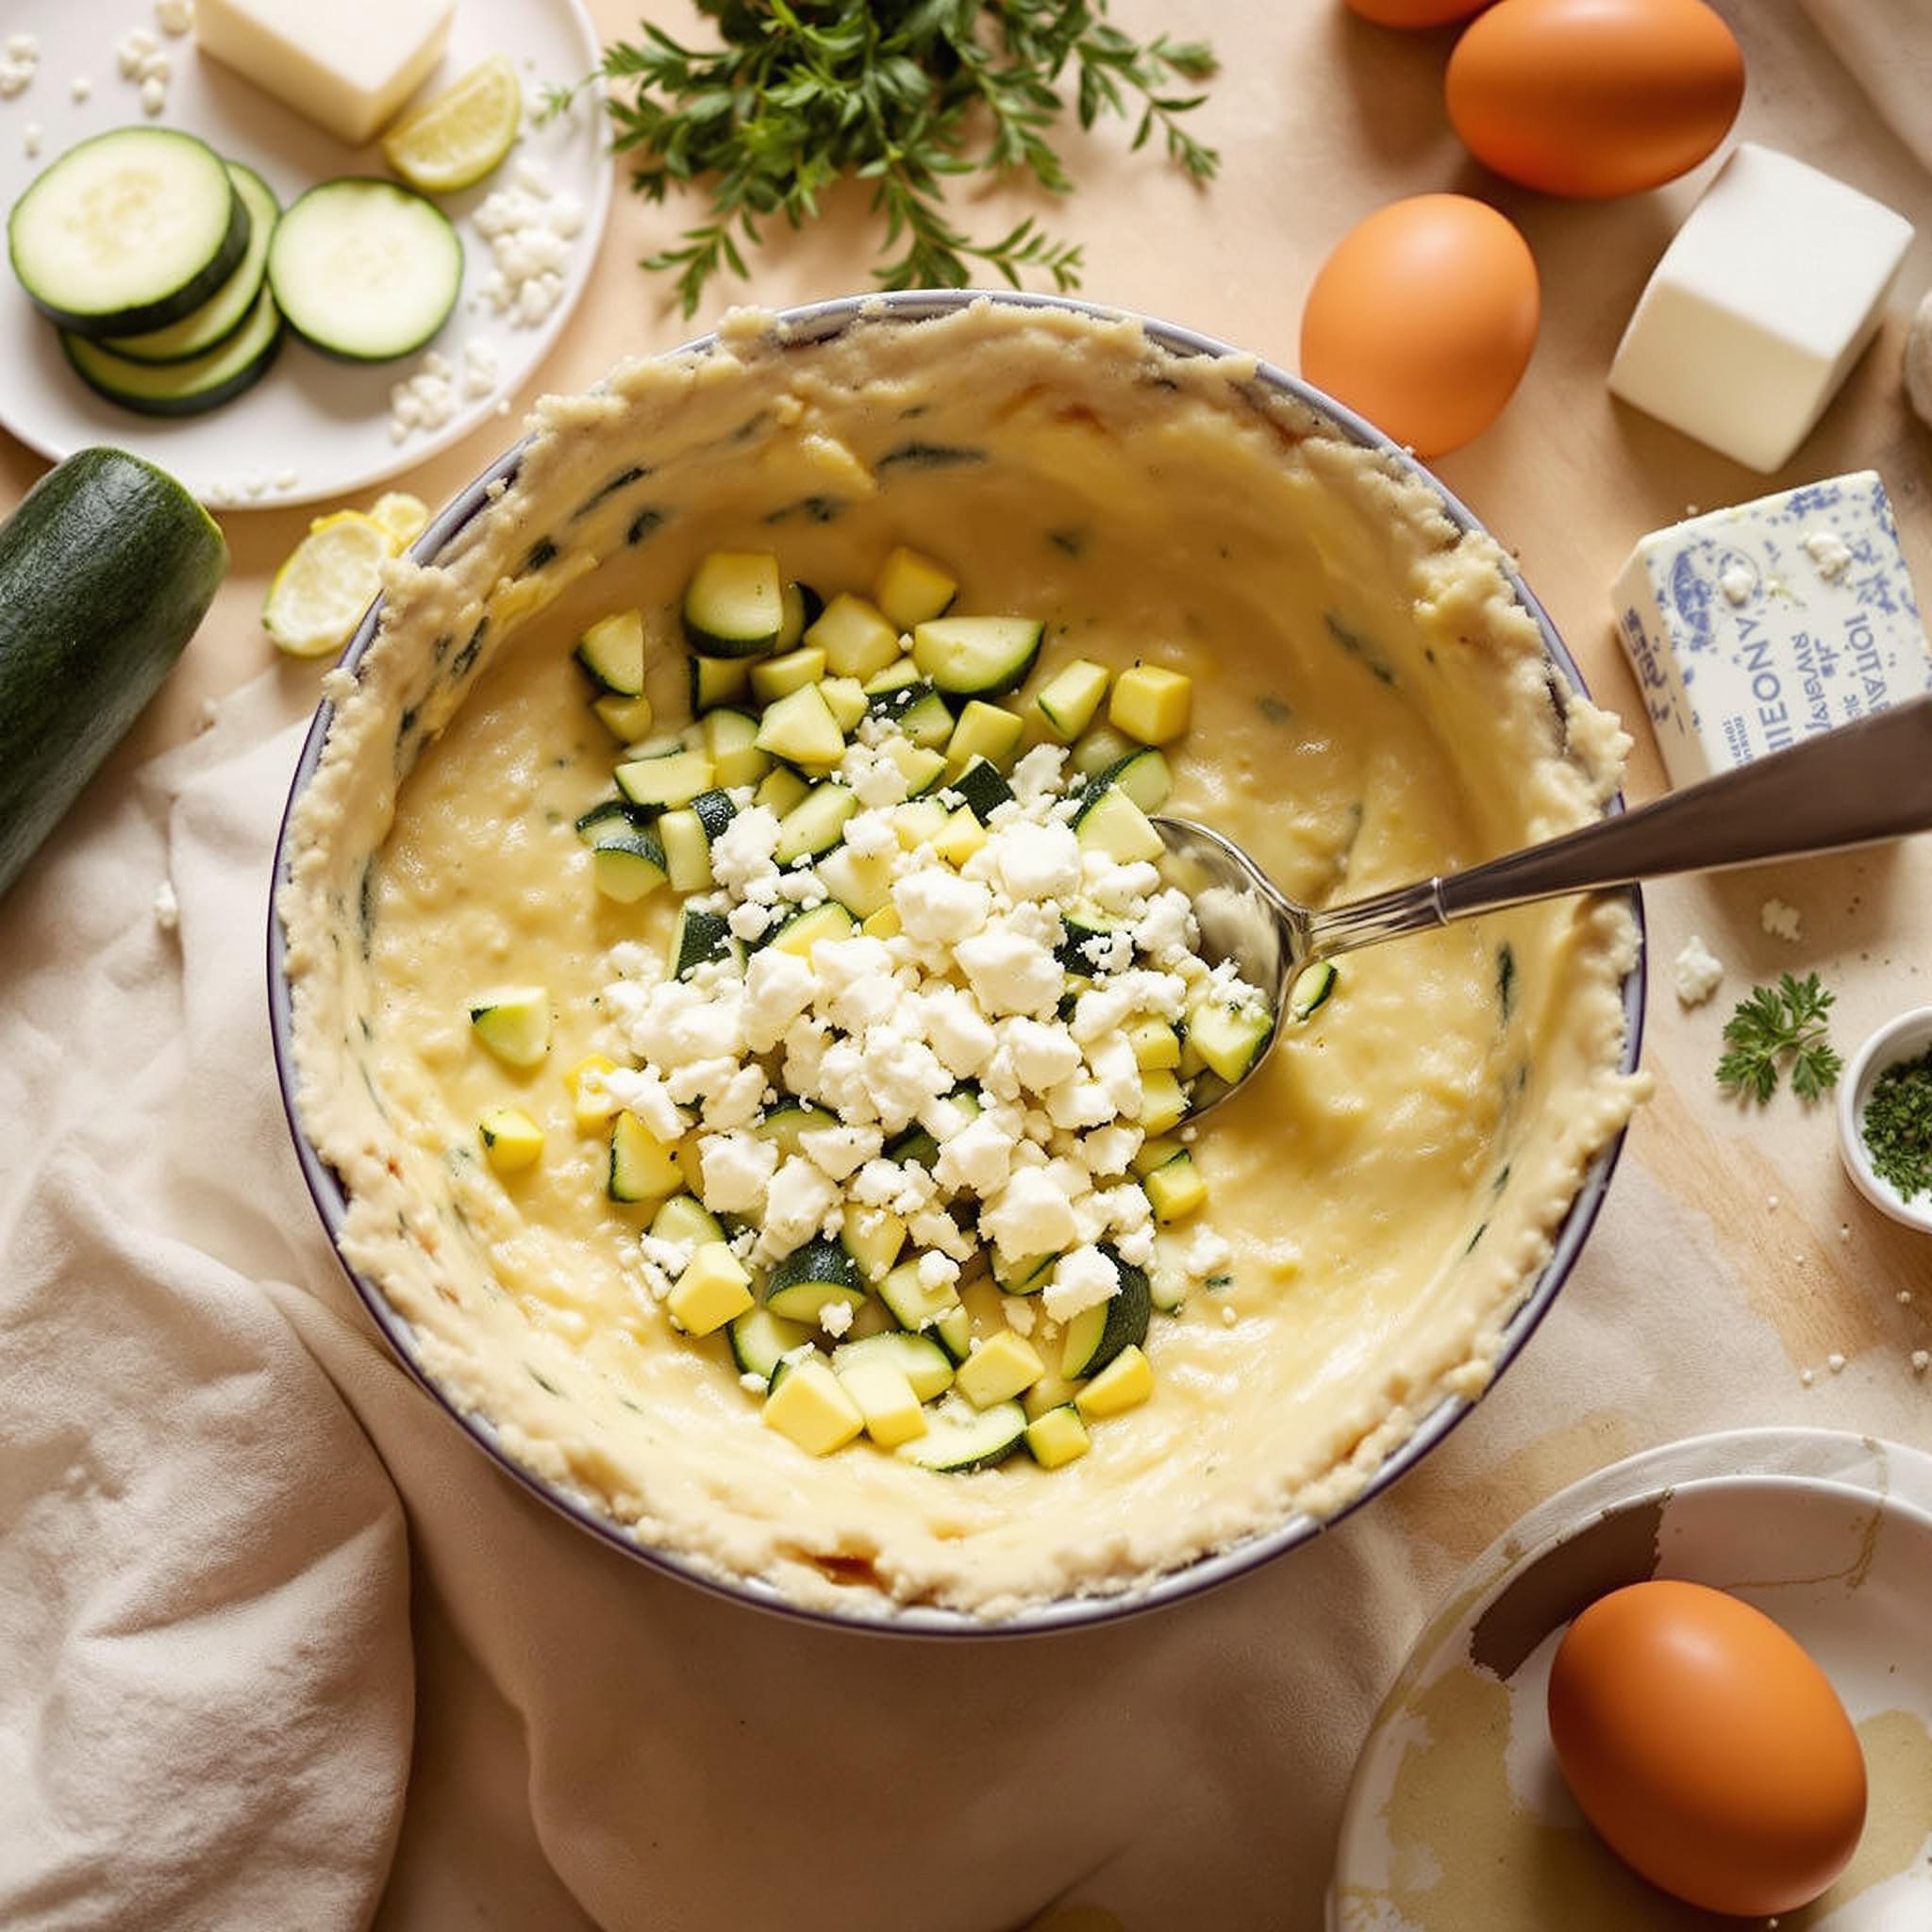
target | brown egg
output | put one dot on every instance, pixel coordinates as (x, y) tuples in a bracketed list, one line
[(1707, 1748), (1422, 320), (1592, 98), (1415, 14)]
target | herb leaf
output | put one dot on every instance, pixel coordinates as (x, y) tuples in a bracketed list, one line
[(803, 94), (1775, 1022)]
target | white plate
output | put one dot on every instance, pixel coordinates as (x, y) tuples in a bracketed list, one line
[(1458, 1818), (322, 423)]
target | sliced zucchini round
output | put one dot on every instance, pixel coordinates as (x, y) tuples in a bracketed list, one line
[(917, 1358), (761, 1341), (811, 1278), (976, 657), (229, 307), (182, 388), (785, 1123), (628, 865), (958, 1442), (127, 231), (365, 270), (734, 606)]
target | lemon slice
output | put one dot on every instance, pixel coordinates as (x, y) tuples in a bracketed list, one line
[(321, 591), (459, 136), (405, 517)]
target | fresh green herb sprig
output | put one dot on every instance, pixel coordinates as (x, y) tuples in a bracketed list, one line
[(903, 93), (1773, 1024), (1897, 1127)]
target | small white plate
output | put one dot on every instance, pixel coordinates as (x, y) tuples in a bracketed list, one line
[(1459, 1817), (325, 423), (1907, 1038)]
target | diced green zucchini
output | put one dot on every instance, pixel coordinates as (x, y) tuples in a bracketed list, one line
[(987, 731), (928, 720), (861, 885), (1143, 774), (785, 1123), (917, 1358), (714, 811), (982, 788), (911, 1304), (923, 766), (685, 1218), (1025, 1276), (641, 1167), (1096, 1335), (958, 1441), (1157, 1045), (976, 657), (761, 1339), (1069, 700), (889, 691), (734, 605), (804, 930), (1163, 1101), (701, 938), (1083, 933), (730, 740), (1229, 1036), (1312, 986), (1096, 750), (777, 678), (626, 719), (627, 866), (1111, 823), (781, 790), (855, 635), (811, 1278), (513, 1022), (687, 851), (953, 1330), (816, 823), (672, 778), (915, 1147), (911, 589), (1174, 1188), (873, 1237), (845, 699), (1004, 1366), (800, 729), (613, 815), (716, 681), (919, 821), (611, 654), (802, 604)]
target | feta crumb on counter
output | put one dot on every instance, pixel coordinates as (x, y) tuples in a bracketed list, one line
[(174, 17), (1780, 921), (1699, 971)]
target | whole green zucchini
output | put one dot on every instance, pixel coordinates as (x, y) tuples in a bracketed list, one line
[(105, 570)]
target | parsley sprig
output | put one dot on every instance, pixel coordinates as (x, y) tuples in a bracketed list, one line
[(1773, 1024), (903, 93)]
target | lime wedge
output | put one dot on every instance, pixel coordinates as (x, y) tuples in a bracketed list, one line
[(319, 596), (458, 136)]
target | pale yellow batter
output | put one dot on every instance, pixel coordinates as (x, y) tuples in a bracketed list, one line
[(1370, 705)]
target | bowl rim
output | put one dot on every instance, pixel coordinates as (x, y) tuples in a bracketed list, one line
[(810, 323), (1906, 1036)]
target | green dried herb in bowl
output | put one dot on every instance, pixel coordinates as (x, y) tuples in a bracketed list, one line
[(1896, 1126)]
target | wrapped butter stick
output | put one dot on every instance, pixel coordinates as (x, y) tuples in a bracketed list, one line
[(1751, 627)]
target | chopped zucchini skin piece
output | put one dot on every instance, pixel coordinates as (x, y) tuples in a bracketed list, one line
[(1312, 988), (1229, 1038), (1095, 1336), (700, 939), (610, 654), (734, 605), (1175, 1189), (784, 1125), (514, 1024), (1142, 771), (687, 851), (627, 866), (1071, 699), (628, 719), (985, 732), (761, 1339), (977, 656), (982, 788), (1100, 747), (781, 790), (1151, 703), (917, 1358), (816, 824), (685, 1218), (1111, 823), (800, 605), (729, 738), (641, 1167), (671, 777), (804, 930), (716, 681)]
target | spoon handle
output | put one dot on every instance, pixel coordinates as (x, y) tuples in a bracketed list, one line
[(1854, 786)]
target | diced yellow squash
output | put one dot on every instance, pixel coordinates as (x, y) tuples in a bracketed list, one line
[(811, 1407), (920, 821), (1175, 1189), (629, 720), (1162, 1102), (846, 700), (781, 791), (511, 1139), (911, 587), (1151, 703), (1052, 1391), (589, 1102), (713, 1289), (885, 1399), (988, 731), (800, 728), (883, 924), (1155, 1152), (1057, 1437), (1124, 1383), (856, 637), (773, 679), (962, 837), (1155, 1044), (999, 1370)]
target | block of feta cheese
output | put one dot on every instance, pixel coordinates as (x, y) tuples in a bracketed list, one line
[(1760, 306), (348, 64), (1751, 627)]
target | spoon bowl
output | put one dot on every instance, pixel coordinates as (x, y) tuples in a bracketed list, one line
[(1853, 786)]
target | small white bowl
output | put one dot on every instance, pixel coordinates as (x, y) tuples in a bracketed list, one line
[(1904, 1038)]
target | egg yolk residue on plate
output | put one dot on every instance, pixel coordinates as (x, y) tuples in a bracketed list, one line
[(1708, 1749)]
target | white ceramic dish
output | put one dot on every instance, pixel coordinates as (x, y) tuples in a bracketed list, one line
[(323, 422), (1458, 1818), (1908, 1038)]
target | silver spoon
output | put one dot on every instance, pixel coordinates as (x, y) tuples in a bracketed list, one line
[(1852, 785)]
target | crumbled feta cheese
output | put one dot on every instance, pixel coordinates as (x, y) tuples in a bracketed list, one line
[(979, 1157), (1009, 973), (937, 1271), (30, 139), (743, 851), (166, 906), (153, 95), (736, 1169), (1780, 920), (80, 87), (1206, 1253), (1030, 1215), (1018, 1309), (1829, 552), (1043, 1056), (1036, 861), (176, 17), (840, 1152), (1082, 1278), (530, 230), (1698, 971), (642, 1092), (797, 1198), (939, 906), (835, 1318)]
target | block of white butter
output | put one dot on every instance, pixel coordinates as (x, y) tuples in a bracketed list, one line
[(1751, 627), (346, 64), (1760, 306)]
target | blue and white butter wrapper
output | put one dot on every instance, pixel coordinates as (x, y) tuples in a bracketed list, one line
[(1751, 627)]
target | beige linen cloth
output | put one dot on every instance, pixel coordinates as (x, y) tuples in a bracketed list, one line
[(280, 1649)]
